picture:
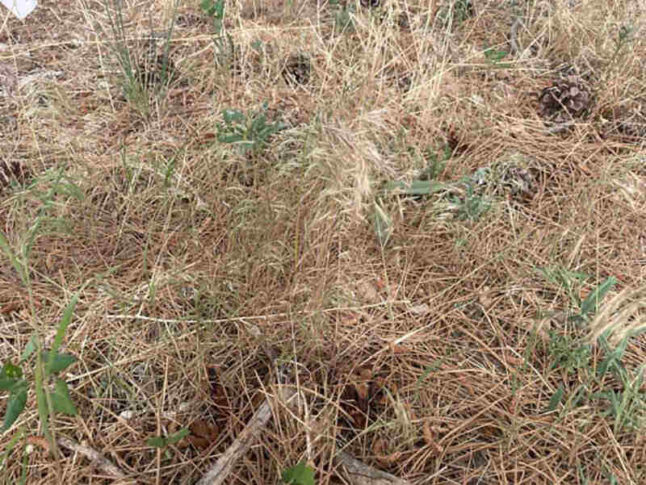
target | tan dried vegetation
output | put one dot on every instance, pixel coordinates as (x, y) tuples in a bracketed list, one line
[(211, 278)]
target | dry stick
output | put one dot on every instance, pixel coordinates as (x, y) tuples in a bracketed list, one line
[(219, 472), (359, 472), (97, 459)]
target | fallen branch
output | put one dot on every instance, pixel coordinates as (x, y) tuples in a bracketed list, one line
[(220, 471), (97, 459), (358, 472)]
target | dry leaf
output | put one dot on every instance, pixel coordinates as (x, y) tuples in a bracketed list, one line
[(362, 391), (398, 348), (350, 319), (421, 309), (358, 418), (204, 429), (196, 441), (365, 373), (10, 307), (513, 360), (218, 392), (203, 434), (463, 380), (39, 441), (430, 437), (390, 459), (367, 292), (379, 447)]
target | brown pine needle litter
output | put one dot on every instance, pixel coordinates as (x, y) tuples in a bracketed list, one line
[(424, 221)]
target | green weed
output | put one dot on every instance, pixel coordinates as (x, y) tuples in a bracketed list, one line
[(171, 439), (471, 206), (299, 474), (627, 405), (566, 354), (52, 393), (495, 56), (570, 281), (248, 132), (44, 365), (223, 45)]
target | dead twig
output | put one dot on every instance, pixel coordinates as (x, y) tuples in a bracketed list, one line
[(358, 472), (97, 459), (220, 471)]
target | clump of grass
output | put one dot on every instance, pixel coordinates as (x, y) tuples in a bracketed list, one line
[(146, 75)]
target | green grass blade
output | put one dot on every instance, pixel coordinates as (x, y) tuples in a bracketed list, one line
[(62, 326), (555, 399), (591, 303)]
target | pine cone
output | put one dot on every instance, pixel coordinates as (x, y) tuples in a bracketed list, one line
[(566, 99)]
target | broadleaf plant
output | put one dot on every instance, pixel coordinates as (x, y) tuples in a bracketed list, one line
[(299, 474), (51, 395)]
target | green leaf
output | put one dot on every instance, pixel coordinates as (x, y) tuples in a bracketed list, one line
[(59, 363), (208, 7), (612, 359), (15, 405), (61, 400), (233, 138), (494, 55), (12, 380), (556, 399), (163, 442), (65, 321), (157, 442), (416, 187), (591, 303), (43, 409), (233, 115), (11, 371), (299, 474), (178, 436), (7, 383), (29, 349)]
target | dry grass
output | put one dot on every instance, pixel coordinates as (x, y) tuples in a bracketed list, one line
[(208, 277)]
